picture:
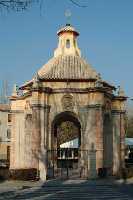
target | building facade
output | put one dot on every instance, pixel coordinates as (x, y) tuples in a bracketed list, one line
[(67, 100), (5, 134)]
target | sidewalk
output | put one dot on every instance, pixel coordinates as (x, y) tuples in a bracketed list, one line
[(18, 185)]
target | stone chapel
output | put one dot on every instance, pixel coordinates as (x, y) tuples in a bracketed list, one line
[(67, 121)]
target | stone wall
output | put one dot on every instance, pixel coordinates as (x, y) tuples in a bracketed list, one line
[(32, 126)]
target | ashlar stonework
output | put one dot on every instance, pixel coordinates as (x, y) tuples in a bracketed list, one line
[(67, 89)]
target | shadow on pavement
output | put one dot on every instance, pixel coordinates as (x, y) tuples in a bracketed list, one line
[(74, 189)]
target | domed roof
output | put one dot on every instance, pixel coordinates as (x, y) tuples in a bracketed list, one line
[(67, 67), (67, 63)]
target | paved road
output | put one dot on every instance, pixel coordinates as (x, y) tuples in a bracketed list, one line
[(65, 190)]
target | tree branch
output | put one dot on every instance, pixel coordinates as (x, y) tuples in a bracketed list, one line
[(17, 5), (78, 4)]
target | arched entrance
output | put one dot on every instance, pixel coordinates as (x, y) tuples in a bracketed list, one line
[(65, 154)]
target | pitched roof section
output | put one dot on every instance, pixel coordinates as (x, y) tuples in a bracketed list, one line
[(67, 67)]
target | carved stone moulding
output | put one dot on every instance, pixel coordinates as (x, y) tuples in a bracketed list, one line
[(67, 102)]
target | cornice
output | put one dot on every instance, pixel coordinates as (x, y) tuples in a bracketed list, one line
[(120, 98), (40, 106), (27, 94), (17, 111), (118, 112), (97, 106)]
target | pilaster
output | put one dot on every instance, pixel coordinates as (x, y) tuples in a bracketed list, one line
[(36, 127), (95, 136), (45, 109), (36, 135), (118, 115), (118, 141), (99, 136)]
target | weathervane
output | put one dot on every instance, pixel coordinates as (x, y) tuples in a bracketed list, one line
[(68, 15)]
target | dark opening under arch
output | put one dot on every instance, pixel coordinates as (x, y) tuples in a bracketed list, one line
[(62, 160), (65, 128)]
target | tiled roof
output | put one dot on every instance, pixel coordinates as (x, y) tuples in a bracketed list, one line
[(67, 28), (67, 67)]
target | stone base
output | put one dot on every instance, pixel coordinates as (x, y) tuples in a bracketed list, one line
[(24, 174), (4, 173), (102, 172)]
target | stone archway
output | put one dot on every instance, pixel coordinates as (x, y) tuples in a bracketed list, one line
[(65, 142), (65, 127)]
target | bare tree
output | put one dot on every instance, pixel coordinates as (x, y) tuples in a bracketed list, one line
[(78, 3), (15, 5), (19, 5)]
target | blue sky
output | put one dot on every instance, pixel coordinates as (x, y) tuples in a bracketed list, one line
[(28, 39)]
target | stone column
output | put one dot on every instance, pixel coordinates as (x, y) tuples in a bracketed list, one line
[(47, 135), (36, 125), (44, 141), (118, 142), (118, 113), (88, 134), (122, 138), (83, 155), (99, 136), (93, 136), (36, 136)]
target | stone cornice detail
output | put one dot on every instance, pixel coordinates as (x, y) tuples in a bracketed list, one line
[(6, 110), (118, 112), (27, 94), (16, 111), (40, 106), (69, 90), (42, 89), (96, 106), (120, 98), (78, 90), (68, 80), (49, 90)]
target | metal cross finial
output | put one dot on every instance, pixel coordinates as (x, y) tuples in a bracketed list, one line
[(68, 15)]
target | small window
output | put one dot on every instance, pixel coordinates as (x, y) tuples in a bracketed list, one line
[(8, 133), (68, 44), (9, 117)]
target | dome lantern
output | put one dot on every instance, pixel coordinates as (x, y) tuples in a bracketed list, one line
[(67, 44)]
